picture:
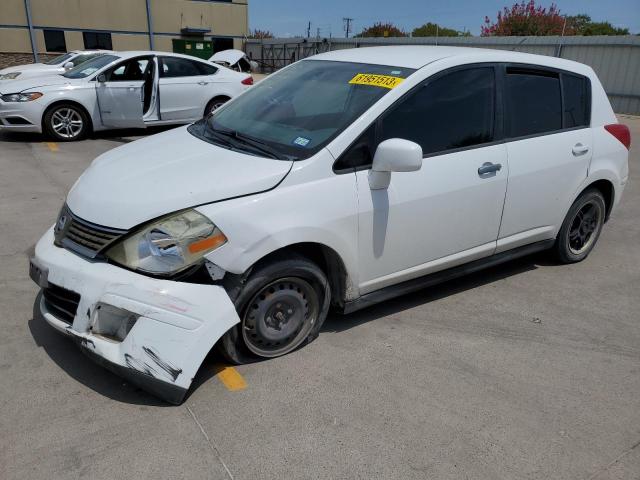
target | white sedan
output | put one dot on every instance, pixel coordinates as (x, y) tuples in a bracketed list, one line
[(59, 64), (118, 90)]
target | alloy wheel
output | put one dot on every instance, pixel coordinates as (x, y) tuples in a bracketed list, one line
[(67, 122), (582, 232)]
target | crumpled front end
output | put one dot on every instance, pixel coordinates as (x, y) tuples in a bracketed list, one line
[(153, 332)]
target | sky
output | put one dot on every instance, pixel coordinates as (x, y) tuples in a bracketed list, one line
[(287, 18)]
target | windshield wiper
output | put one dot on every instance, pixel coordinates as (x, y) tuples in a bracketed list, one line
[(253, 142)]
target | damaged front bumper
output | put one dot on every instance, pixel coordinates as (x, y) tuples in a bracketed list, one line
[(175, 324)]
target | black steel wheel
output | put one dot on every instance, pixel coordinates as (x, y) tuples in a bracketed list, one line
[(282, 305), (279, 317), (581, 228)]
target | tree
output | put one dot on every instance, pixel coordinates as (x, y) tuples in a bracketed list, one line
[(434, 30), (381, 29), (582, 25), (527, 19), (260, 34)]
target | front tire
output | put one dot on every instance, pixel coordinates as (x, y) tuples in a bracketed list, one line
[(581, 227), (66, 122), (282, 305)]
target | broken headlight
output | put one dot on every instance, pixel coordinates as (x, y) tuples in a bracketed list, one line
[(169, 245)]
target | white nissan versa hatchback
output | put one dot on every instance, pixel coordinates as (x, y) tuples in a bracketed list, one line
[(340, 181)]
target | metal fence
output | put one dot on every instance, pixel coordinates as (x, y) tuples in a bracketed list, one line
[(616, 59)]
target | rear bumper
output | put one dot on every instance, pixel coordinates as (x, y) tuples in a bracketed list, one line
[(177, 323)]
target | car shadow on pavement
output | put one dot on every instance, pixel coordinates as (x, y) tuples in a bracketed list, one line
[(64, 352), (338, 323)]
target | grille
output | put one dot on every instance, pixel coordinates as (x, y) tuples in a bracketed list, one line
[(61, 303), (80, 236)]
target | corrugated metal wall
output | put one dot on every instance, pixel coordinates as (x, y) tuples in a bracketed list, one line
[(616, 60)]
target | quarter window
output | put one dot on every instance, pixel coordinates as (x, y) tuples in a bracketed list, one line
[(453, 111), (576, 101), (532, 101)]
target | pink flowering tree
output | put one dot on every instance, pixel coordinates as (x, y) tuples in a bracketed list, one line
[(527, 18)]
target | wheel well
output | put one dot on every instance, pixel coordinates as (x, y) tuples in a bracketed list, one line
[(67, 102), (329, 262), (217, 97), (606, 188)]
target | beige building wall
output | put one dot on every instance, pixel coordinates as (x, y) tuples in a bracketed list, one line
[(125, 19), (129, 15), (14, 40)]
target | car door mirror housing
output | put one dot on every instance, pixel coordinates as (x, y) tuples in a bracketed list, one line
[(393, 155), (68, 65), (102, 78)]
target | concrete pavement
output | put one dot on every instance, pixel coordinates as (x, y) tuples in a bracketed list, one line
[(526, 371)]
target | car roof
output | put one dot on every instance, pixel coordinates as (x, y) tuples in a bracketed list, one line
[(417, 56), (140, 53)]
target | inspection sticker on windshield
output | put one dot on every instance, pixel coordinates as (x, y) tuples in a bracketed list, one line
[(301, 141), (384, 81)]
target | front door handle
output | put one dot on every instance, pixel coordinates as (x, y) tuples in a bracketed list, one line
[(579, 149), (489, 167), (202, 83)]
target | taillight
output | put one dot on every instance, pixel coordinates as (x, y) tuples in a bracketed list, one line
[(621, 132), (247, 81)]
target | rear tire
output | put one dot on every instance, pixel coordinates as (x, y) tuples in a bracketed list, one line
[(214, 104), (282, 305), (66, 122), (581, 227)]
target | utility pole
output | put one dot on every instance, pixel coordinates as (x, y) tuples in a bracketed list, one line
[(32, 35), (309, 29), (347, 24)]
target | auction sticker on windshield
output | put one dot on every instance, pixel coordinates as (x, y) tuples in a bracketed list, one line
[(384, 81)]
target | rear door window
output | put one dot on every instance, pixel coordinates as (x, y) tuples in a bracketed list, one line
[(533, 102), (174, 67)]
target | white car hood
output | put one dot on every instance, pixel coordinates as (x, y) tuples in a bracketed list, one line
[(228, 56), (27, 67), (165, 173), (18, 85)]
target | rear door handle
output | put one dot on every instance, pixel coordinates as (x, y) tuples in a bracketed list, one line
[(202, 83), (579, 149), (489, 167)]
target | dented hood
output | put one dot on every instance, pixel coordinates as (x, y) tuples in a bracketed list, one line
[(227, 56), (165, 173)]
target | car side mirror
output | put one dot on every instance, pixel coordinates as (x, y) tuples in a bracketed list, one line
[(393, 155), (68, 65), (102, 78)]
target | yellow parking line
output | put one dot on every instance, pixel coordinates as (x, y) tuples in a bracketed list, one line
[(231, 378), (53, 146)]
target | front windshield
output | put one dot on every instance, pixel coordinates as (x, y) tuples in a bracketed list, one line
[(87, 68), (297, 111), (59, 59)]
